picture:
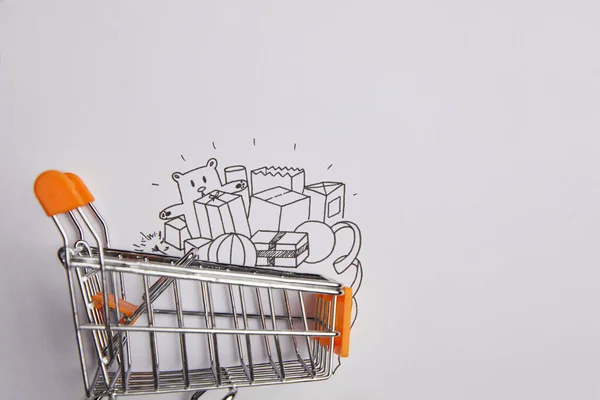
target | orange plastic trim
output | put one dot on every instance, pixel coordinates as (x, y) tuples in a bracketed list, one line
[(343, 321), (84, 192), (57, 193), (125, 307)]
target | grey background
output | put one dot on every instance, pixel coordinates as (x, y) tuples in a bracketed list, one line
[(469, 130)]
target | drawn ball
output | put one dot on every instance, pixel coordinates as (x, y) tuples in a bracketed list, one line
[(232, 248), (321, 240)]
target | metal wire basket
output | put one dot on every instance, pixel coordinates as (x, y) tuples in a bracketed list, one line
[(246, 327)]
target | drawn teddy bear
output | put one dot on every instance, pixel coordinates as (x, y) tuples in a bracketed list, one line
[(193, 185)]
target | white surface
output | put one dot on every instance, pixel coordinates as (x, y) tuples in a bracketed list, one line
[(469, 130)]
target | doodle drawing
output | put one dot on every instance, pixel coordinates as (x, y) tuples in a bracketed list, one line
[(193, 185), (176, 232), (269, 177), (327, 201), (280, 249), (232, 248), (274, 220), (278, 209), (321, 240), (152, 242), (219, 212), (200, 244), (238, 173)]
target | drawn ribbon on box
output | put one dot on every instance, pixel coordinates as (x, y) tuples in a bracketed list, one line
[(271, 254)]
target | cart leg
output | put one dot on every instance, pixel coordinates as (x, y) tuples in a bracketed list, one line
[(231, 394), (197, 395)]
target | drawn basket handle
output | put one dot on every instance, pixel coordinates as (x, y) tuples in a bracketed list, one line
[(58, 193)]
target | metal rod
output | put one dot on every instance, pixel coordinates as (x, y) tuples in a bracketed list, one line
[(77, 224), (319, 316), (152, 334), (77, 329), (332, 328), (76, 324), (102, 222), (182, 343), (156, 290), (161, 285), (209, 329), (104, 279), (217, 331), (122, 283), (94, 315), (214, 335), (304, 319), (213, 275), (226, 314), (121, 359), (264, 326), (246, 326), (237, 326), (291, 326), (277, 343)]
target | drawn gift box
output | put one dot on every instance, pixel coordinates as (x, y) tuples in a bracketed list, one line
[(176, 232), (327, 201), (278, 209), (200, 244), (219, 212), (280, 249), (270, 177)]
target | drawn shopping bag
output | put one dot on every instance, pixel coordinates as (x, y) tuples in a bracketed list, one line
[(219, 212), (270, 177)]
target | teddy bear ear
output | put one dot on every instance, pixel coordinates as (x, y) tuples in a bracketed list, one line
[(176, 176), (212, 163)]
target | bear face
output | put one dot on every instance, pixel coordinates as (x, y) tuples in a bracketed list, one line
[(193, 185), (197, 182)]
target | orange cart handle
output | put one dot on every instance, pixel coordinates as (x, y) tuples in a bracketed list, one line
[(60, 192)]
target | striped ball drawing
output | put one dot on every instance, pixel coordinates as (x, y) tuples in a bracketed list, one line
[(232, 248)]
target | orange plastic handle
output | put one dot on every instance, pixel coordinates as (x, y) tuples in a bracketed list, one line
[(83, 190), (57, 193), (343, 321)]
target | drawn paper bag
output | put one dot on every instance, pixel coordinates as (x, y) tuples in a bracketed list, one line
[(278, 209), (280, 249), (219, 212), (327, 201), (269, 177)]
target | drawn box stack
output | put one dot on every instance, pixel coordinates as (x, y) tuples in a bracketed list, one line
[(267, 212)]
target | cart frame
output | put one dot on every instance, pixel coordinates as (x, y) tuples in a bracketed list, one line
[(315, 327)]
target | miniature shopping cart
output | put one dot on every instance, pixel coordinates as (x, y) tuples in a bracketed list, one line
[(192, 325)]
